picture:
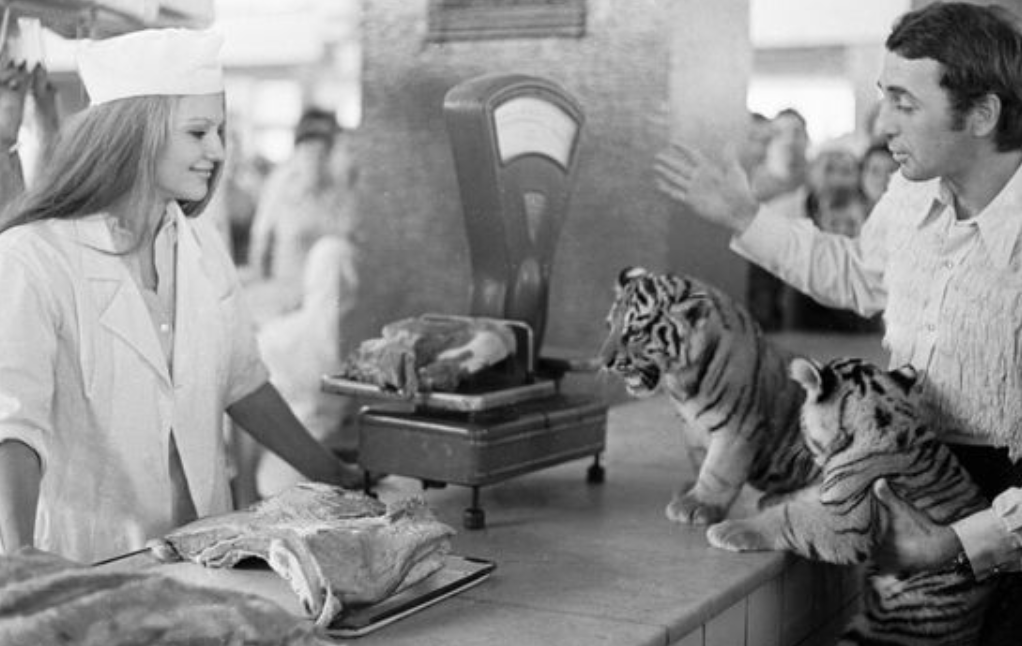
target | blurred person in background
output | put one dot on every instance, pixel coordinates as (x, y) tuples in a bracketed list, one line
[(753, 153), (878, 166), (779, 178), (842, 210), (786, 165), (308, 196)]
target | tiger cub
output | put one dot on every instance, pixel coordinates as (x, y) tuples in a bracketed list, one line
[(739, 408), (862, 424)]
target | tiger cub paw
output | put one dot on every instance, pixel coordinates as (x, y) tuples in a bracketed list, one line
[(690, 510), (737, 536)]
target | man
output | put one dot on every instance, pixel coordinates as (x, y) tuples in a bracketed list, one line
[(941, 255)]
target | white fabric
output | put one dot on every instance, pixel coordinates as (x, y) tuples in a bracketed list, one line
[(168, 61), (991, 538), (84, 382)]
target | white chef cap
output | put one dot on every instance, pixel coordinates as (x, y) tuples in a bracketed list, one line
[(151, 61)]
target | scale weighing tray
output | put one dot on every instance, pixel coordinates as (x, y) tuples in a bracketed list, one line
[(466, 402)]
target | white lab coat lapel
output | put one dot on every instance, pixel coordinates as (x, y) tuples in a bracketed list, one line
[(198, 343), (116, 294)]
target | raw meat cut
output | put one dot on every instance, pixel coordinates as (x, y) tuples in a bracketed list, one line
[(430, 353), (334, 547), (45, 599)]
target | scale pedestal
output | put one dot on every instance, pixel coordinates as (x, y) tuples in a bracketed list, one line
[(478, 449), (514, 140)]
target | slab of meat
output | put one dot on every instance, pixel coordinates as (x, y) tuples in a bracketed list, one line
[(45, 599), (334, 547), (429, 353)]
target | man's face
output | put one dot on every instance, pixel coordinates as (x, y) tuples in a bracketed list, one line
[(916, 121)]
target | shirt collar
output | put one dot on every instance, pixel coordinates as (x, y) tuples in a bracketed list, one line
[(999, 224), (123, 236)]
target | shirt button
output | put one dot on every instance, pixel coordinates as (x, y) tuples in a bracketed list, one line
[(931, 327), (164, 327)]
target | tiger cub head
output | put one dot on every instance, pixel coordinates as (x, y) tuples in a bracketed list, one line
[(656, 326), (853, 405)]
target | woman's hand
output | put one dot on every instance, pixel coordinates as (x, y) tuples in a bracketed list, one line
[(44, 94), (912, 542), (718, 193)]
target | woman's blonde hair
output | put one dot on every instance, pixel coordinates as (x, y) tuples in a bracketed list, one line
[(105, 156)]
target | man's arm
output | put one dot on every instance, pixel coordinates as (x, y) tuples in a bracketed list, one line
[(833, 269), (991, 539), (20, 475), (267, 417)]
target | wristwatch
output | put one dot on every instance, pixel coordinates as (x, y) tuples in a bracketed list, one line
[(961, 564)]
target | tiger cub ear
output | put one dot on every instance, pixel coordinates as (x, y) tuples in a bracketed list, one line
[(692, 310), (807, 373), (906, 376), (628, 274)]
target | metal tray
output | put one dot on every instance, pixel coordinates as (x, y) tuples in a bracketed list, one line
[(458, 574), (474, 398), (456, 402)]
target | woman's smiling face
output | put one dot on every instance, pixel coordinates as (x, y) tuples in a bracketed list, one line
[(193, 149)]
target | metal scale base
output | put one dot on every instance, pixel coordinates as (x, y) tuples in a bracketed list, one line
[(479, 448)]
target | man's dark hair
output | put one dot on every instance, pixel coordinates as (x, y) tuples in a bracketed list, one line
[(980, 51)]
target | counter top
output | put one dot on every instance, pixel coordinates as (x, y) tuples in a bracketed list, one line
[(590, 564), (585, 564)]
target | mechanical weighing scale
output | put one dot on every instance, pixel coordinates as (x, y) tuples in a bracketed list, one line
[(514, 140)]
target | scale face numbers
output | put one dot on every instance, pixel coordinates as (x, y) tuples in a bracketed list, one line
[(529, 125)]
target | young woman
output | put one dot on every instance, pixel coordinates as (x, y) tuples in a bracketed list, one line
[(123, 339)]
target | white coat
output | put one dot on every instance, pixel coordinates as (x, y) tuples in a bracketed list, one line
[(84, 382)]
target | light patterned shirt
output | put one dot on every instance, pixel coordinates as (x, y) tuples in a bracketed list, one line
[(951, 293)]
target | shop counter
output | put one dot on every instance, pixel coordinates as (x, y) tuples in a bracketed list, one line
[(585, 564)]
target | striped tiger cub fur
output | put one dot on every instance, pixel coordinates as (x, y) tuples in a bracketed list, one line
[(862, 424), (739, 408)]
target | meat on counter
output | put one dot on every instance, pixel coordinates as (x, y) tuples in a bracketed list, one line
[(45, 599), (334, 547)]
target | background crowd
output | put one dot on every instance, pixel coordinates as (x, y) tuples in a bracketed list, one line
[(834, 185)]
